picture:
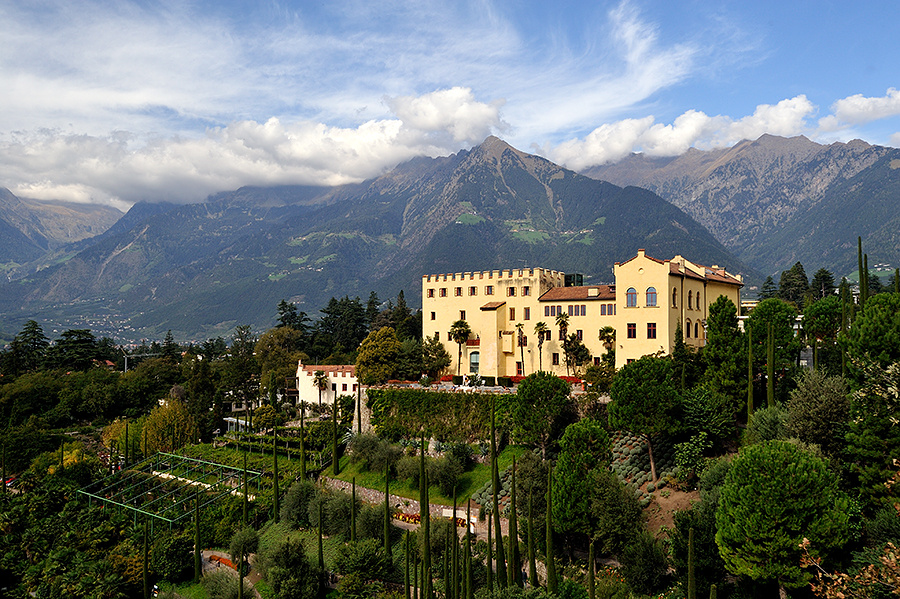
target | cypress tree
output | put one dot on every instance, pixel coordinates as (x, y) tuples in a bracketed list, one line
[(712, 592), (515, 568), (770, 368), (866, 278), (859, 259), (591, 569), (490, 561), (387, 510), (897, 280), (302, 441), (532, 562), (454, 563), (353, 512), (359, 409), (146, 559), (197, 565), (692, 580), (126, 443), (321, 557), (427, 581), (749, 374), (468, 561), (445, 567), (244, 515), (552, 582), (495, 484), (335, 459), (3, 466), (275, 503), (406, 569)]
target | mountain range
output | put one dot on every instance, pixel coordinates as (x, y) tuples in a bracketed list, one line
[(776, 201), (201, 269)]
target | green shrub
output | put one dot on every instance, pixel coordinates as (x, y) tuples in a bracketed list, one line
[(172, 556), (291, 572), (295, 504), (370, 523), (689, 456), (644, 564), (365, 557), (884, 527), (408, 469), (462, 453), (767, 424), (224, 585), (504, 381), (445, 473)]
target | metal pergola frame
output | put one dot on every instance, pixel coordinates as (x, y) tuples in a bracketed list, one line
[(160, 486)]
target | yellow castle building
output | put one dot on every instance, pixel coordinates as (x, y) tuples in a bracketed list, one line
[(644, 306)]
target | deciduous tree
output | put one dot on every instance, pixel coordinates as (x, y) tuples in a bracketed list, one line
[(378, 356), (644, 399), (538, 409)]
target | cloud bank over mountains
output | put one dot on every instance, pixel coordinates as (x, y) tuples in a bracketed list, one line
[(117, 102)]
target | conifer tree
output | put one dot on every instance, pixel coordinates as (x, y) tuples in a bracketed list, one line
[(302, 441), (353, 511), (406, 569), (515, 568), (692, 581), (468, 558), (495, 484), (387, 510), (532, 562), (591, 569), (322, 573), (552, 582), (198, 569), (490, 559), (335, 458), (275, 502)]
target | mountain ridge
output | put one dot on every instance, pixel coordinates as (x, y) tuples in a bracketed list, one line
[(200, 269)]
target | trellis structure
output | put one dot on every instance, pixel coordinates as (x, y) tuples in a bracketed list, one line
[(163, 486)]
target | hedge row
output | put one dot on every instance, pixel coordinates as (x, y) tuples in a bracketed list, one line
[(447, 416)]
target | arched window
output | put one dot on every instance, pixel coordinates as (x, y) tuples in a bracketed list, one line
[(675, 297), (687, 328), (631, 297), (651, 297), (474, 359), (697, 329), (690, 300)]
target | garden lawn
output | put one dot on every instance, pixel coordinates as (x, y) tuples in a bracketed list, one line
[(469, 482)]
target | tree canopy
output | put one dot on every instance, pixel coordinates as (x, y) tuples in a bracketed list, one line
[(774, 496)]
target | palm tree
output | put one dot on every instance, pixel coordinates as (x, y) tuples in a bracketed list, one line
[(459, 333), (608, 338), (540, 329), (562, 321), (521, 338), (320, 380)]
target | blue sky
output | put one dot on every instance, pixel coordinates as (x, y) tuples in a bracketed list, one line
[(118, 102)]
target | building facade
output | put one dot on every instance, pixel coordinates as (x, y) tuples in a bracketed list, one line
[(503, 307), (338, 380)]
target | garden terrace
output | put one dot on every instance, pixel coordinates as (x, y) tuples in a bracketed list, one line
[(164, 485)]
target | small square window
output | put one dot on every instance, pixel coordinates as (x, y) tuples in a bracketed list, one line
[(526, 290), (632, 330), (511, 291), (473, 291), (443, 292), (651, 330), (430, 293), (556, 359), (489, 290)]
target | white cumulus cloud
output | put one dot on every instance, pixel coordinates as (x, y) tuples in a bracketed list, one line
[(613, 141), (858, 109), (115, 169)]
